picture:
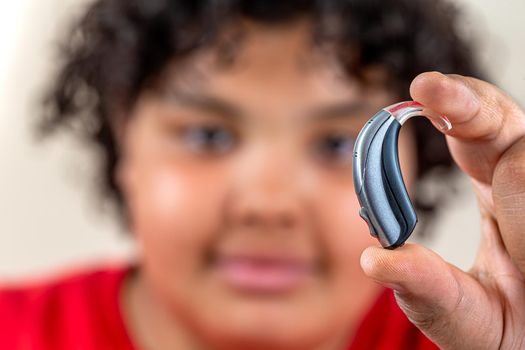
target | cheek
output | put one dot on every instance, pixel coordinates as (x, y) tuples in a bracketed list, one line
[(347, 235), (171, 220)]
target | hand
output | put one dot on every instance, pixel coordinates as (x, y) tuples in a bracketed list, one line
[(483, 308)]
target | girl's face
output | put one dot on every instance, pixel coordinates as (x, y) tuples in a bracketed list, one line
[(238, 182)]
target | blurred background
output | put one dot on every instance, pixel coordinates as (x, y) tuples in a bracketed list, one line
[(49, 216)]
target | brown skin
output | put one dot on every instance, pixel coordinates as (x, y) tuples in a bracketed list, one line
[(483, 308), (270, 194)]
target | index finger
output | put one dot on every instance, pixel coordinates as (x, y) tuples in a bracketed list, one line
[(485, 120)]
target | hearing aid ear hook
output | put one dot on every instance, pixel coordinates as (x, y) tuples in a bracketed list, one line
[(385, 204)]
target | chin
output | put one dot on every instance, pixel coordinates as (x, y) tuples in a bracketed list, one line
[(254, 336), (268, 324)]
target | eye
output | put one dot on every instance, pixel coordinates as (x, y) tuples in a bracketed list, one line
[(335, 148), (208, 138)]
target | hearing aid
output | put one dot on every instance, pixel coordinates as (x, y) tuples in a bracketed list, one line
[(381, 191)]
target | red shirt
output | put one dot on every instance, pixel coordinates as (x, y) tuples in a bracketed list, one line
[(82, 312)]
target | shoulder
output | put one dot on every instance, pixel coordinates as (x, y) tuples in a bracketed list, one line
[(76, 303), (67, 288)]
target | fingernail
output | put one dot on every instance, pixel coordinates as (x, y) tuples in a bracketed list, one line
[(442, 123)]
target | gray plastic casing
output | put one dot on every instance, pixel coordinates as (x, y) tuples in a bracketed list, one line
[(382, 194)]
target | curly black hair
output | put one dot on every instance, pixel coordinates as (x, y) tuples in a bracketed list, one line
[(118, 46)]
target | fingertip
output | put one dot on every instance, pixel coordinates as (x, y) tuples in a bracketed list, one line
[(369, 260), (429, 85), (450, 95), (381, 264), (399, 265)]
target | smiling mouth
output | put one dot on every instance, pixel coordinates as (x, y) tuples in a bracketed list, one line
[(263, 275)]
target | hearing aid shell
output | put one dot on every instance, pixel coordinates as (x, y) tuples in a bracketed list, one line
[(378, 182)]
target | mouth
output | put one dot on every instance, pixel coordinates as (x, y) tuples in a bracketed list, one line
[(263, 274)]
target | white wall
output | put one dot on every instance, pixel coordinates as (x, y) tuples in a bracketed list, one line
[(48, 219)]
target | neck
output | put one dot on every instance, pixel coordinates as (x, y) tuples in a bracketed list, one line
[(150, 324), (153, 326)]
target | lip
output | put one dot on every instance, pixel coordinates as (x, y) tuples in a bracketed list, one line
[(263, 274)]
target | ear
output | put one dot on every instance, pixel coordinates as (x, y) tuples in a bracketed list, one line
[(123, 172), (118, 123), (123, 175)]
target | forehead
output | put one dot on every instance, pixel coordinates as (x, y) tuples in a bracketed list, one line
[(270, 65)]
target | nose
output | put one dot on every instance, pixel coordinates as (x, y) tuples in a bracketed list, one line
[(257, 209), (267, 193)]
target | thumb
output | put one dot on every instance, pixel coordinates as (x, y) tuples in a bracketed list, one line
[(445, 303)]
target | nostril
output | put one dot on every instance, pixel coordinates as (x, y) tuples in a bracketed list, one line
[(287, 221), (251, 220), (274, 220)]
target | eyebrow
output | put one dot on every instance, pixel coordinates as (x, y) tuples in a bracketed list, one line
[(207, 103), (222, 108)]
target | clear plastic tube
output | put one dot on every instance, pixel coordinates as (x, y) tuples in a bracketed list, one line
[(403, 111)]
